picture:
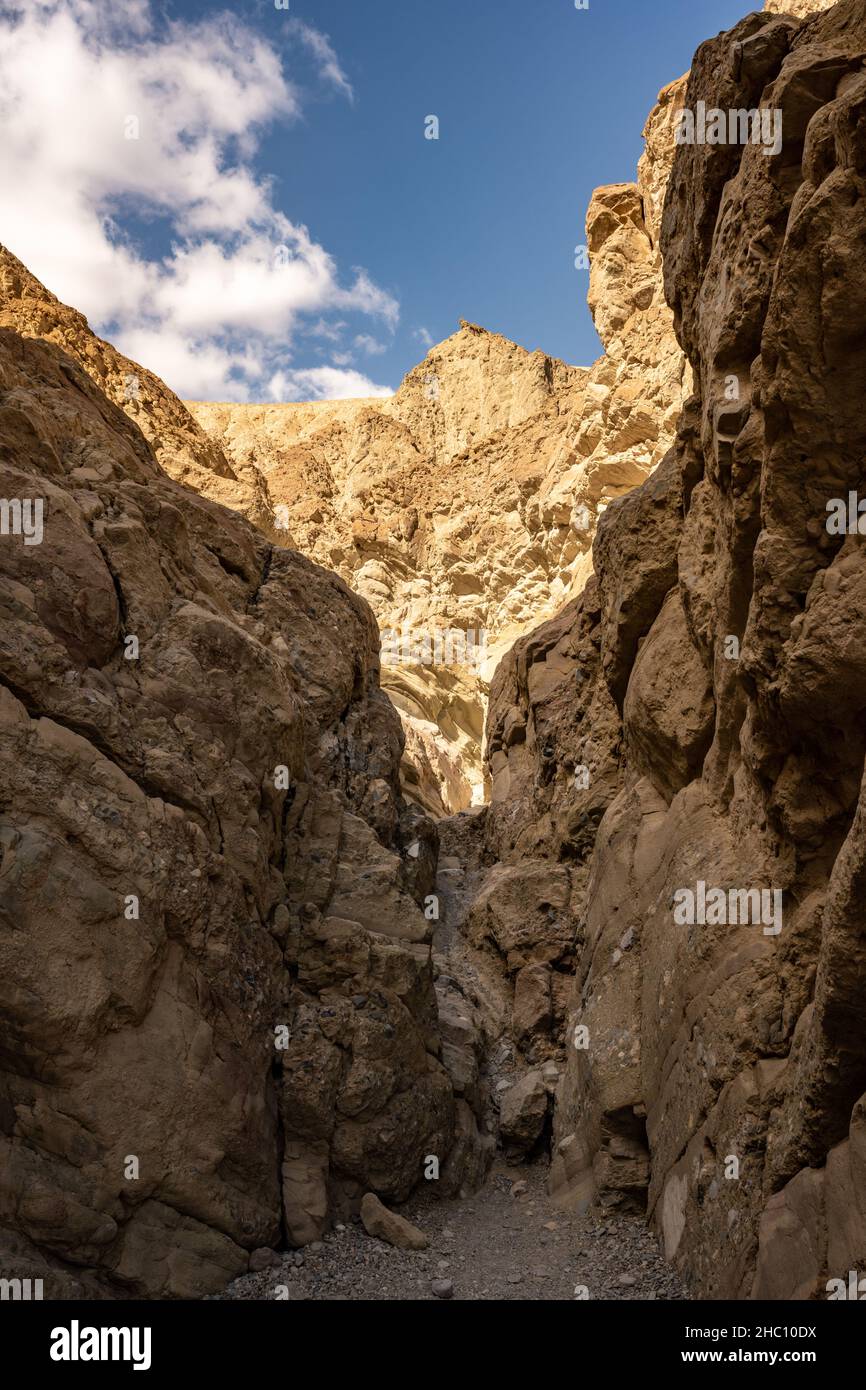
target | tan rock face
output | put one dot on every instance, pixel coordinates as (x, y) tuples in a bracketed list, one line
[(693, 721), (800, 9), (468, 501), (179, 444), (438, 507), (216, 987)]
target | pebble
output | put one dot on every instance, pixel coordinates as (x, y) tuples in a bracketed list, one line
[(491, 1248), (262, 1258)]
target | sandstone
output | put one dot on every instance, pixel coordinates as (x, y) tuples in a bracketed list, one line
[(533, 1009), (218, 974), (179, 444), (304, 1192), (388, 1226), (800, 8), (472, 1153)]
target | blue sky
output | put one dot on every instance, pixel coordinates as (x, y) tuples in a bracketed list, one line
[(538, 103), (278, 226)]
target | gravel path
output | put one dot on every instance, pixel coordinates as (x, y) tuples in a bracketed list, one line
[(506, 1242)]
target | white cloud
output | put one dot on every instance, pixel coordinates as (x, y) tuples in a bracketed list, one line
[(322, 329), (217, 314), (371, 346), (322, 50), (324, 383), (423, 336)]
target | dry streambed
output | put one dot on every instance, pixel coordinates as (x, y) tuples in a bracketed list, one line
[(506, 1242)]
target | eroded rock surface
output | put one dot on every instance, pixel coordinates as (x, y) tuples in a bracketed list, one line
[(696, 718), (801, 9), (181, 447), (219, 1018), (441, 507), (222, 1026)]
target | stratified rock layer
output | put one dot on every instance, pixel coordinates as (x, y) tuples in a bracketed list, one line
[(696, 717), (219, 1022)]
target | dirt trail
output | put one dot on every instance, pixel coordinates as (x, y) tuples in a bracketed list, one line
[(508, 1242)]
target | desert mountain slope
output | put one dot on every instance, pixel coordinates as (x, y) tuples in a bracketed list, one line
[(180, 446), (800, 9), (468, 500), (438, 507)]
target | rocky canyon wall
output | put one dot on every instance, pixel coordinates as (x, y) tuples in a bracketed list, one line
[(221, 1024), (219, 1021), (243, 979), (694, 721)]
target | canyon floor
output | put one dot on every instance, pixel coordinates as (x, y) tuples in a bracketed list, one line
[(507, 1242)]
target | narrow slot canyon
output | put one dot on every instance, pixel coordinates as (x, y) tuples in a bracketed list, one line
[(432, 822)]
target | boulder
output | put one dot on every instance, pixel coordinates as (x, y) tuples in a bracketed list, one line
[(386, 1225), (523, 1111)]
